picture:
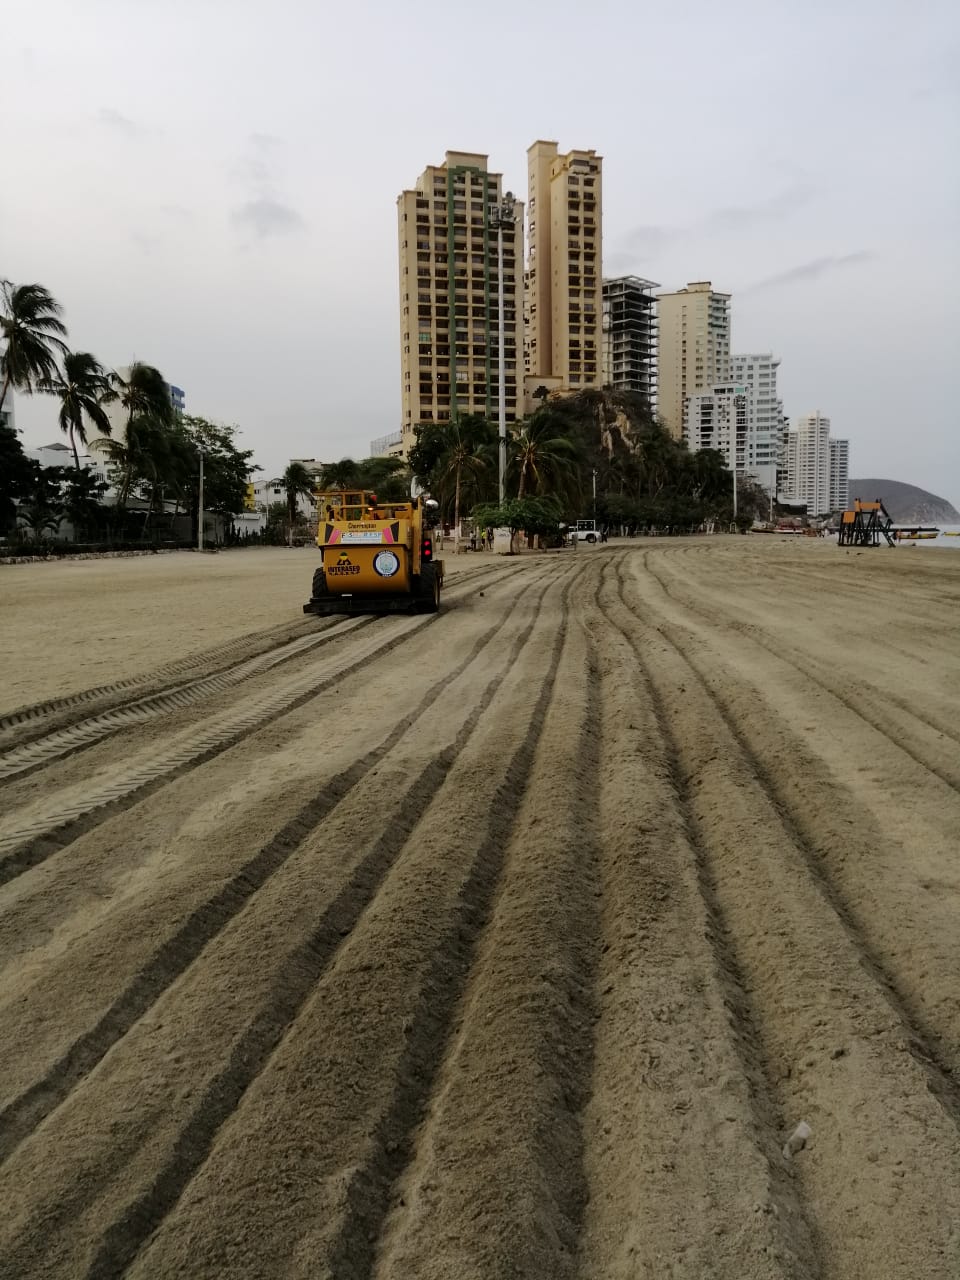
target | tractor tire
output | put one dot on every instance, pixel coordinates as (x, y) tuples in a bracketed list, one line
[(428, 590), (591, 537), (319, 590)]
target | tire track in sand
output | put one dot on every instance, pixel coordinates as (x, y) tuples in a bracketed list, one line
[(174, 956), (51, 1228), (368, 1044), (199, 663), (682, 1178), (33, 755), (56, 823), (502, 1128), (866, 702), (931, 1035), (831, 1050), (33, 721)]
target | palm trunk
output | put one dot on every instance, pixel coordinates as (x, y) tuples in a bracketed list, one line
[(523, 481), (456, 511), (290, 514), (73, 446), (3, 389)]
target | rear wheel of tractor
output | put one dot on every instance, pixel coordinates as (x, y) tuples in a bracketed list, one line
[(591, 537), (319, 591), (428, 594)]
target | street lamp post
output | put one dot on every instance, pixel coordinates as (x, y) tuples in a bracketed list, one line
[(200, 511), (503, 214)]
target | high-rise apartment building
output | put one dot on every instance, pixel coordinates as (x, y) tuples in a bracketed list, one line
[(449, 287), (763, 447), (564, 269), (808, 463), (839, 475), (742, 419), (694, 348), (630, 336), (719, 419)]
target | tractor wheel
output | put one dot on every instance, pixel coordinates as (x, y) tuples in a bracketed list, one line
[(428, 591), (591, 537), (319, 591)]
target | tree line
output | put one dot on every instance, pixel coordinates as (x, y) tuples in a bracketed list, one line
[(157, 460), (597, 453), (603, 443)]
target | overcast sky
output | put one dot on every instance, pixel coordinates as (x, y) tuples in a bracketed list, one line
[(210, 186)]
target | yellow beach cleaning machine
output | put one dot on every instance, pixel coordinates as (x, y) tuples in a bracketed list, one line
[(375, 557)]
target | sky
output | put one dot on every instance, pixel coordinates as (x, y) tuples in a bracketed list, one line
[(210, 186)]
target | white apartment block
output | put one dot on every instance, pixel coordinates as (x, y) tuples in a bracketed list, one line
[(808, 456), (267, 492), (693, 348), (718, 419), (448, 228), (59, 454), (763, 447), (839, 475), (742, 419)]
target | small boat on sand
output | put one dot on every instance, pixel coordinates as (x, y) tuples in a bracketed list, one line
[(916, 534)]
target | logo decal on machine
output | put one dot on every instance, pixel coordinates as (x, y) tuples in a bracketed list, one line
[(343, 568), (386, 564)]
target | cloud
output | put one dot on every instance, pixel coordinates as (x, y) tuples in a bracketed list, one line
[(640, 244), (266, 217), (259, 161), (645, 242), (812, 270), (771, 210), (121, 124), (147, 244), (265, 210), (178, 213)]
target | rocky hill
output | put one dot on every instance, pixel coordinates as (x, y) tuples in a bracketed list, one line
[(906, 503)]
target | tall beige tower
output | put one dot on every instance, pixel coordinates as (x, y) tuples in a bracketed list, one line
[(694, 351), (449, 295), (564, 268)]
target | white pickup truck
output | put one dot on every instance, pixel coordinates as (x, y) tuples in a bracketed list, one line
[(584, 531)]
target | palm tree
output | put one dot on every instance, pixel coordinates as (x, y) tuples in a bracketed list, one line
[(297, 482), (545, 457), (40, 520), (143, 393), (33, 334), (81, 389), (344, 474), (146, 442), (468, 451), (147, 455)]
